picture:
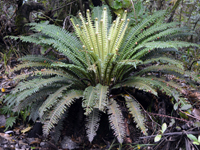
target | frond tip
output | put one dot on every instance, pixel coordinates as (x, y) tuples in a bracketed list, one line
[(59, 109), (135, 111), (92, 124), (116, 120)]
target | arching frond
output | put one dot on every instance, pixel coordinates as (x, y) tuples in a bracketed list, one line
[(116, 120), (165, 60), (52, 99), (135, 111), (30, 64), (92, 124), (90, 98), (102, 98), (138, 83), (128, 44), (59, 109)]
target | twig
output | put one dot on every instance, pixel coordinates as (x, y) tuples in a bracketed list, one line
[(134, 11), (189, 115), (172, 133), (63, 6), (161, 115), (190, 67)]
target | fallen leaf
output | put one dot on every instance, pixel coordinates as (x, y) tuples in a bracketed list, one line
[(6, 136), (26, 130)]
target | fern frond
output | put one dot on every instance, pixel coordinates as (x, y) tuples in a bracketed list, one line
[(92, 32), (60, 39), (29, 65), (59, 109), (116, 121), (90, 97), (59, 127), (157, 27), (59, 34), (170, 44), (138, 83), (70, 66), (163, 34), (135, 111), (168, 60), (34, 113), (164, 86), (10, 121), (131, 34), (38, 96), (49, 72), (22, 76), (97, 13), (37, 58), (106, 66), (10, 100), (28, 88), (129, 62), (37, 83), (163, 69), (75, 58), (52, 99), (92, 124), (29, 39), (102, 98)]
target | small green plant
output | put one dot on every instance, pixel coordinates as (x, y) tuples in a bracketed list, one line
[(106, 57), (159, 136), (13, 116), (195, 140)]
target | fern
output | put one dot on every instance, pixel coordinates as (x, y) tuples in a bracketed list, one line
[(10, 122), (103, 56)]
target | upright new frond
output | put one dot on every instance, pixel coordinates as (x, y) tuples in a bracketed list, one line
[(116, 121), (96, 38), (97, 13)]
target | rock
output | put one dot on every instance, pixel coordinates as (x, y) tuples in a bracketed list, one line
[(23, 147), (67, 143), (5, 146), (42, 144), (16, 145)]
